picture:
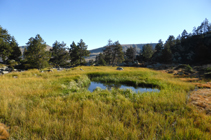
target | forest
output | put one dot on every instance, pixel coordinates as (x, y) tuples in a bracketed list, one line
[(188, 48)]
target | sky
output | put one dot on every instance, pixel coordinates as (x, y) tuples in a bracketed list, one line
[(97, 21)]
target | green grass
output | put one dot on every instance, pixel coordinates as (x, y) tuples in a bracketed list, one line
[(58, 106)]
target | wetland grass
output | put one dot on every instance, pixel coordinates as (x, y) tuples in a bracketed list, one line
[(58, 106)]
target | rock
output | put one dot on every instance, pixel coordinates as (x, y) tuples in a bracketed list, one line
[(149, 66), (171, 71), (58, 68), (5, 72), (119, 68), (180, 73), (8, 69), (157, 65), (186, 73), (50, 70), (4, 68)]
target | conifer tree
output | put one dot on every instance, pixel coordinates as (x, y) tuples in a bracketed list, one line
[(83, 52), (74, 54), (118, 55), (16, 53), (36, 54), (130, 54), (5, 48), (147, 52), (59, 55)]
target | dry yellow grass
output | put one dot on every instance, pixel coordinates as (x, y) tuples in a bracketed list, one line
[(189, 79), (44, 106), (4, 135), (203, 85), (201, 98)]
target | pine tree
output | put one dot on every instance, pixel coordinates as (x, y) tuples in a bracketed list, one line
[(166, 54), (74, 54), (159, 46), (59, 55), (107, 51), (83, 52), (184, 34), (5, 48), (36, 54), (100, 60), (147, 52), (16, 53), (113, 53), (130, 54), (118, 55)]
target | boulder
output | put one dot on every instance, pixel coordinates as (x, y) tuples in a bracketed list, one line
[(8, 69), (5, 72), (49, 70), (119, 68), (157, 65), (180, 73), (171, 71), (149, 66)]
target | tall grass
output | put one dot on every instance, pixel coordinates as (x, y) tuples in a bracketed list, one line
[(58, 106)]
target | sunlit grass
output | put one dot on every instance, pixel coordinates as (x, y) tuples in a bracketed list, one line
[(56, 105)]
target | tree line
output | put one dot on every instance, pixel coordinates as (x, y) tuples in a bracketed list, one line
[(189, 48), (37, 56)]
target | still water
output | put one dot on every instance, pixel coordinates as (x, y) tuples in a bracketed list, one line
[(93, 86)]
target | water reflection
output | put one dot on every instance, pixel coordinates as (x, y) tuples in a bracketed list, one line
[(108, 86)]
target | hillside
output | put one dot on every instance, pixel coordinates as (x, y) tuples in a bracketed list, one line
[(97, 51)]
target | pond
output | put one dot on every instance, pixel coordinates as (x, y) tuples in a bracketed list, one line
[(108, 86)]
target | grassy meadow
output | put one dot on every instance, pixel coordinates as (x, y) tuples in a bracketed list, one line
[(57, 105)]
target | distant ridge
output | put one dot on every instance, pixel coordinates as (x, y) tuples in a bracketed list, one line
[(97, 51)]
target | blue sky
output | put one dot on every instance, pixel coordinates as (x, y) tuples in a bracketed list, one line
[(97, 21)]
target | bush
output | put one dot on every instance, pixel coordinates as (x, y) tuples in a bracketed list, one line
[(208, 69), (188, 68), (184, 66)]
